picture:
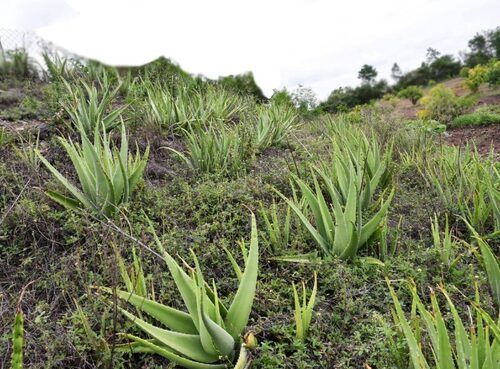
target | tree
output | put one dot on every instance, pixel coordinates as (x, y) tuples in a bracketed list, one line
[(396, 72), (367, 74), (304, 98), (479, 50), (432, 54), (494, 42)]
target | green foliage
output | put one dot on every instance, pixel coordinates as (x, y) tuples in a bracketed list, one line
[(477, 118), (108, 176), (412, 93), (243, 84), (356, 170), (443, 105), (277, 234), (207, 335), (214, 149), (444, 243), (345, 98), (89, 109), (303, 311), (274, 124), (490, 263), (15, 64), (477, 349), (170, 112), (17, 341), (466, 184)]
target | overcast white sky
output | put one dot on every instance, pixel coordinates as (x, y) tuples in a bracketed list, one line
[(317, 43)]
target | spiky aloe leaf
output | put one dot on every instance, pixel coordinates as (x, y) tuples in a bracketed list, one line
[(239, 311), (142, 344)]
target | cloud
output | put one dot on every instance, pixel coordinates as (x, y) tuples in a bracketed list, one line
[(317, 43)]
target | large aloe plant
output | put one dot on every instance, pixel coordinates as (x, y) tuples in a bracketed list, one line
[(338, 229), (107, 175), (208, 335)]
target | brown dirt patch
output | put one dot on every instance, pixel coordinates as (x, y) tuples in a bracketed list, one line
[(484, 137)]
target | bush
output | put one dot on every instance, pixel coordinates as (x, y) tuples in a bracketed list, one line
[(476, 77), (480, 74), (478, 118), (443, 105), (412, 93)]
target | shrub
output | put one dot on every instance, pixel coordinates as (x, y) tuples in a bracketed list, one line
[(108, 176), (15, 64), (443, 105), (476, 77), (478, 118), (412, 93)]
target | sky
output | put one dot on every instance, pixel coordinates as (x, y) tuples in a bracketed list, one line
[(319, 44)]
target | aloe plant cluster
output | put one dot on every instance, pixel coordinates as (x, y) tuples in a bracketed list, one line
[(477, 348), (209, 334), (274, 124), (342, 219), (107, 175), (468, 185)]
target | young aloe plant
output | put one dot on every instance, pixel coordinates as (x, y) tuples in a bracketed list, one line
[(206, 336), (303, 312), (107, 175), (478, 349), (444, 244), (278, 235)]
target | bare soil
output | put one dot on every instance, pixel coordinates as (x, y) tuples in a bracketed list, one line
[(485, 137)]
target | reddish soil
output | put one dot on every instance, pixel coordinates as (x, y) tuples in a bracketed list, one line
[(484, 137)]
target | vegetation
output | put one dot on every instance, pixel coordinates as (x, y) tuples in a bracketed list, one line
[(342, 202), (443, 105), (304, 309), (412, 93), (108, 176)]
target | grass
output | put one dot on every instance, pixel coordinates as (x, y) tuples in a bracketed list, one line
[(336, 176)]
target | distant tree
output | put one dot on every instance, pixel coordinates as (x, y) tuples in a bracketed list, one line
[(304, 98), (432, 54), (367, 74), (412, 93), (494, 42), (282, 97), (479, 50), (443, 67), (396, 72)]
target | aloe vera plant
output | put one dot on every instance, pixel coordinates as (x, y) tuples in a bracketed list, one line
[(443, 241), (215, 150), (338, 230), (467, 184), (277, 234), (477, 349), (206, 336), (107, 176), (355, 158), (274, 124), (303, 311), (490, 262), (88, 109)]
